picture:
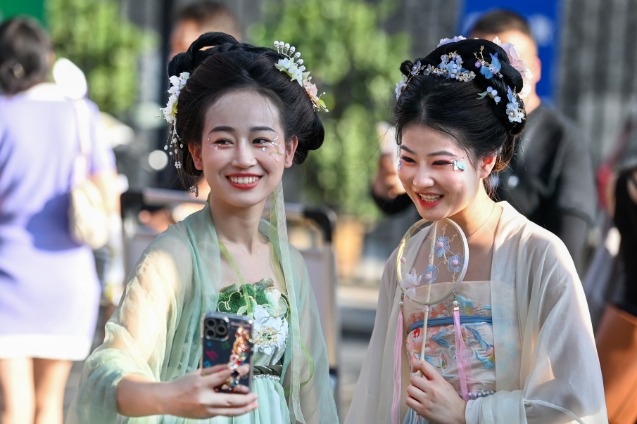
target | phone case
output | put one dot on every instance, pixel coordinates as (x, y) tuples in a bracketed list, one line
[(227, 339)]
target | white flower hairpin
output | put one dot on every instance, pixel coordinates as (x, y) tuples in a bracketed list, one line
[(177, 83), (173, 145), (293, 66)]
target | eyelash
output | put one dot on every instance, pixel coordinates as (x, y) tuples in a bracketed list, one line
[(224, 143), (411, 161)]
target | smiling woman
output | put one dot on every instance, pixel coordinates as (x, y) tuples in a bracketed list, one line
[(513, 341), (237, 119), (241, 156)]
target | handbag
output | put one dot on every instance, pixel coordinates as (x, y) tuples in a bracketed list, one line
[(616, 341), (88, 217)]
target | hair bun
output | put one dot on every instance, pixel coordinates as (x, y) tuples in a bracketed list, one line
[(475, 52), (488, 65), (198, 51)]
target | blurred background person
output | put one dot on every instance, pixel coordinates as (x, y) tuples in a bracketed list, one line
[(550, 179), (49, 290), (190, 22), (199, 17), (616, 337)]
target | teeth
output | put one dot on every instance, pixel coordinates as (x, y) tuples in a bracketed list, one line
[(429, 198), (244, 180)]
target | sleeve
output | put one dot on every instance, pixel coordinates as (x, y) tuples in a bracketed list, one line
[(373, 395), (576, 192), (393, 206), (316, 395), (560, 379), (575, 196), (137, 335), (574, 233)]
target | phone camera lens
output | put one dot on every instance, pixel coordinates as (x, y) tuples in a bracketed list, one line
[(221, 330)]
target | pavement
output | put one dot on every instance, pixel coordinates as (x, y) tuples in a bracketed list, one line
[(356, 305)]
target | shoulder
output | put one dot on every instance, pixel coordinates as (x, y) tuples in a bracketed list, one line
[(169, 252), (555, 125), (184, 238), (532, 242)]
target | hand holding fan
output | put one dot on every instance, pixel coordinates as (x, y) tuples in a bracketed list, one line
[(432, 260)]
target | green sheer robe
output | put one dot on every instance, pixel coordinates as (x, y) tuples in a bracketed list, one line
[(156, 330)]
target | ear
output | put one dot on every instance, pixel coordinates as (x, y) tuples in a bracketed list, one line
[(486, 165), (195, 153), (290, 148)]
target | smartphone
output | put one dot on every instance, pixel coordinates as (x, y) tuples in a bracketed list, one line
[(227, 339)]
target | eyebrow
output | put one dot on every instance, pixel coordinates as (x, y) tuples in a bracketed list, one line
[(225, 128), (437, 153)]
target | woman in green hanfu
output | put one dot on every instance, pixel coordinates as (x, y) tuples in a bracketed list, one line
[(239, 115)]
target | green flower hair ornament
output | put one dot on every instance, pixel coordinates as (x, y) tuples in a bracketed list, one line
[(292, 65)]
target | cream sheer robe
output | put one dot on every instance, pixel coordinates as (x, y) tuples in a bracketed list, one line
[(156, 329), (546, 364)]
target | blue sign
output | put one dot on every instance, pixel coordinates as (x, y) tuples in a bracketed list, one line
[(544, 19)]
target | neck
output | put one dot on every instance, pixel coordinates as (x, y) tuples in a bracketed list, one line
[(238, 227), (476, 217)]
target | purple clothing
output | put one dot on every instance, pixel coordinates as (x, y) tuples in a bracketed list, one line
[(48, 283)]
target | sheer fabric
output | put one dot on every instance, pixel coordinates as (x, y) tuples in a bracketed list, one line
[(270, 313), (475, 311), (546, 366), (156, 330)]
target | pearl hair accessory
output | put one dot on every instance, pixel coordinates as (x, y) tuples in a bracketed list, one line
[(293, 66)]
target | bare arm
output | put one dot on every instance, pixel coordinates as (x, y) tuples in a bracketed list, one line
[(195, 395)]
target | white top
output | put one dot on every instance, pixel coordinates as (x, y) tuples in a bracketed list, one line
[(546, 364)]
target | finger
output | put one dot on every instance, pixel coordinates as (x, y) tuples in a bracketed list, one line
[(417, 406), (425, 368), (241, 388), (218, 377), (243, 369), (214, 369), (416, 392), (233, 411), (419, 382), (238, 399), (233, 400)]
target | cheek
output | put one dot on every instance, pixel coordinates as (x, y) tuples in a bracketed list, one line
[(405, 174)]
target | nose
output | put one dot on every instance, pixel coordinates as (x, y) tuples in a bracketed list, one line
[(244, 156), (423, 178)]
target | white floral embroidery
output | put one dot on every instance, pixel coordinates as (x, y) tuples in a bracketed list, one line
[(270, 333)]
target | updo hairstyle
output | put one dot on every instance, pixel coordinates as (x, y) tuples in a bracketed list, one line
[(455, 107), (25, 55), (219, 64)]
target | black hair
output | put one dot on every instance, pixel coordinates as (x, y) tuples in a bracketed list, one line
[(457, 108), (497, 21), (226, 65), (25, 54)]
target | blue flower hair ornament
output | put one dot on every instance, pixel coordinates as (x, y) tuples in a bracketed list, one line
[(451, 67)]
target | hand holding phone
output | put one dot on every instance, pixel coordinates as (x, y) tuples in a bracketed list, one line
[(227, 339)]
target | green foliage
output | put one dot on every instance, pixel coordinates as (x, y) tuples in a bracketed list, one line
[(97, 37), (356, 63)]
